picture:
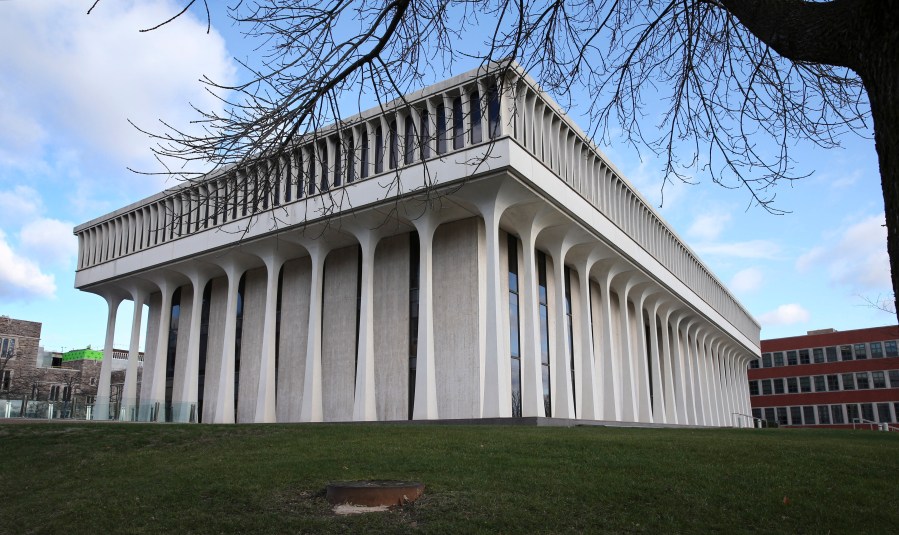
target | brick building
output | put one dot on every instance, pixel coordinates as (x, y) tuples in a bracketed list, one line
[(828, 378)]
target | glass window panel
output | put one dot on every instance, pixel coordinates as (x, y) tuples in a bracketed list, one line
[(792, 385), (861, 380), (823, 414), (409, 141), (441, 129), (394, 146), (891, 349), (766, 387), (769, 414), (876, 350), (867, 411), (796, 415), (753, 388), (458, 124), (894, 378), (363, 158), (808, 414), (766, 360), (860, 352), (778, 386), (803, 356), (848, 381), (831, 353), (792, 358), (878, 380), (754, 363), (852, 412), (818, 354), (474, 104), (846, 352), (820, 384), (778, 359), (836, 413), (833, 382), (782, 416), (805, 384), (883, 413), (757, 413)]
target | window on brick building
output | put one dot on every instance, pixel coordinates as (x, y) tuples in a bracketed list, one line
[(891, 349), (883, 413), (833, 382), (778, 359), (778, 386), (782, 416), (836, 412), (808, 414), (766, 387), (805, 384), (852, 412), (6, 380), (792, 358), (753, 388), (766, 360), (848, 381), (820, 384), (861, 380), (878, 380), (831, 354), (803, 356), (846, 352), (818, 353), (796, 415), (867, 411), (792, 385), (860, 352), (894, 378), (876, 350), (823, 414)]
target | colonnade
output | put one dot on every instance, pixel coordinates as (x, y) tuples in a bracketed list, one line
[(635, 353)]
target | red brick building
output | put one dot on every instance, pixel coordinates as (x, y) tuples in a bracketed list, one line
[(828, 378)]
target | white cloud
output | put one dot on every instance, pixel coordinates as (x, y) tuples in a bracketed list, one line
[(708, 226), (746, 280), (788, 314), (49, 240), (86, 75), (855, 257), (20, 278), (745, 249), (20, 204)]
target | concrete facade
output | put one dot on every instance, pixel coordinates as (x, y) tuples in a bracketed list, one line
[(365, 274)]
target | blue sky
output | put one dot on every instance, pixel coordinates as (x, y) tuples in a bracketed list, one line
[(71, 82)]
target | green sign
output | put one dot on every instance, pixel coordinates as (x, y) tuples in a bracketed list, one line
[(82, 354)]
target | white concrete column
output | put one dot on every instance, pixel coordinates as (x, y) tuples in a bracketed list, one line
[(425, 403), (266, 392), (667, 358), (101, 406), (129, 390), (678, 347), (641, 377), (718, 384), (365, 404), (560, 371), (185, 399), (611, 388), (497, 400), (658, 389), (589, 405), (625, 355), (157, 382), (531, 373), (312, 409), (224, 403)]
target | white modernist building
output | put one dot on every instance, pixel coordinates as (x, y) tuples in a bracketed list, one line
[(463, 252)]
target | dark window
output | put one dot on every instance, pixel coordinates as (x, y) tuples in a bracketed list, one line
[(766, 387), (861, 380), (409, 141), (7, 380), (458, 124), (868, 411), (883, 413), (474, 104), (424, 135), (878, 380), (894, 378), (860, 352), (846, 352), (570, 333), (805, 384), (833, 382), (766, 360), (818, 354), (852, 412), (808, 415), (379, 150), (338, 163), (769, 414), (891, 349), (836, 412), (820, 384), (298, 162), (791, 358), (778, 359), (754, 363), (351, 159), (757, 413), (441, 129), (782, 416), (792, 385), (544, 332), (803, 356), (796, 415), (493, 113), (823, 414), (753, 388), (514, 337), (310, 173), (831, 354), (848, 381), (363, 157), (876, 350), (394, 146), (778, 386)]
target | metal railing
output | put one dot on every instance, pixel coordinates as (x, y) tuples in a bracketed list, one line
[(880, 426), (758, 423)]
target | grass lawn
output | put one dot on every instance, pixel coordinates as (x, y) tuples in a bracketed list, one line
[(134, 478)]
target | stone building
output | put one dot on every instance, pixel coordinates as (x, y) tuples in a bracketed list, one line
[(463, 252)]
